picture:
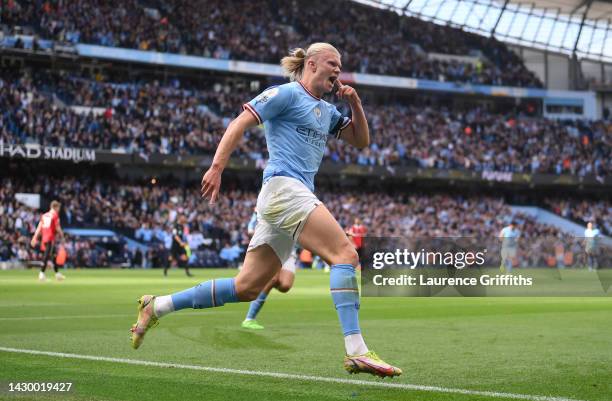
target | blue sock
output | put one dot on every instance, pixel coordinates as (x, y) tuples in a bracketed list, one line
[(206, 295), (256, 305), (345, 294)]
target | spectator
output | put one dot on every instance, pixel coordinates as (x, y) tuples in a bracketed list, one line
[(230, 254), (149, 118), (372, 40)]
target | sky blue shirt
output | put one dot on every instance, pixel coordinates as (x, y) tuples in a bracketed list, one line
[(297, 125), (591, 237), (509, 237)]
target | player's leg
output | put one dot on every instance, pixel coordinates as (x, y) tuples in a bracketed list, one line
[(283, 282), (183, 263), (360, 255), (510, 261), (58, 276), (324, 236), (590, 260), (256, 305), (169, 262), (504, 257), (46, 249), (260, 265)]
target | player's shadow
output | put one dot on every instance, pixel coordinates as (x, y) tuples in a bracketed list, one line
[(232, 339), (247, 339)]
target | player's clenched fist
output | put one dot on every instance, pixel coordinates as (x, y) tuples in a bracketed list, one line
[(347, 93)]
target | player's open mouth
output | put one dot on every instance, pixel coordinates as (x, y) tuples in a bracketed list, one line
[(332, 80)]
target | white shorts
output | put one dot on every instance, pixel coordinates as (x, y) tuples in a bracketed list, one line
[(508, 253), (283, 205), (289, 264)]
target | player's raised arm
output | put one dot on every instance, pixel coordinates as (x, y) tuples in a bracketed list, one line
[(211, 181), (357, 133)]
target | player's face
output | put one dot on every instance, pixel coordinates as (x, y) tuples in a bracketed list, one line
[(328, 70)]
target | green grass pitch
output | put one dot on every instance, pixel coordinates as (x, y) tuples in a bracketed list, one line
[(553, 347)]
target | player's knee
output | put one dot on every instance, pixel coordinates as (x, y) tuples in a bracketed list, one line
[(346, 254), (246, 291), (283, 286), (247, 294)]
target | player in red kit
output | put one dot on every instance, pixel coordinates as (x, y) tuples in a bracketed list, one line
[(49, 228), (357, 232)]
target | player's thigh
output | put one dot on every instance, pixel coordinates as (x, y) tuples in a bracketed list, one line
[(260, 266), (323, 236)]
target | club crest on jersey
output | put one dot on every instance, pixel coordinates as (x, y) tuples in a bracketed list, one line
[(317, 112), (266, 95)]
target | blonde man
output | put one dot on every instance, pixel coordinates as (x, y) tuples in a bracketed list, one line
[(297, 125)]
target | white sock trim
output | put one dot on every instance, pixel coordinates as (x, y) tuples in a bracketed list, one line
[(163, 305), (354, 345)]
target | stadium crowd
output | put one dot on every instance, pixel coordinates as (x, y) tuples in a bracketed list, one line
[(148, 213), (151, 118), (380, 42), (584, 211), (134, 119), (482, 141)]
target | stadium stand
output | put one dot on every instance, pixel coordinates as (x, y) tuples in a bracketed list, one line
[(177, 112), (584, 211), (147, 213), (262, 31), (149, 118)]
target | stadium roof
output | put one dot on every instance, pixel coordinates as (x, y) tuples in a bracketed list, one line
[(598, 10), (582, 27)]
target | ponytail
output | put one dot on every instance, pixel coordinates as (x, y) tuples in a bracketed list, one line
[(293, 65)]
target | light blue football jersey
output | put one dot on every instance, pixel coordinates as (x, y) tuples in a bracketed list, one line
[(591, 238), (510, 237), (297, 125)]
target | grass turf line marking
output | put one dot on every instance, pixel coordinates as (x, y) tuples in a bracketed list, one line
[(92, 316), (402, 386), (62, 317)]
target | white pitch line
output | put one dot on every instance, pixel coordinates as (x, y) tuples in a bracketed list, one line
[(61, 317), (401, 386)]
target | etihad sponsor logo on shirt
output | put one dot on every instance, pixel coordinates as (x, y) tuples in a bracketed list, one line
[(34, 151), (312, 136)]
